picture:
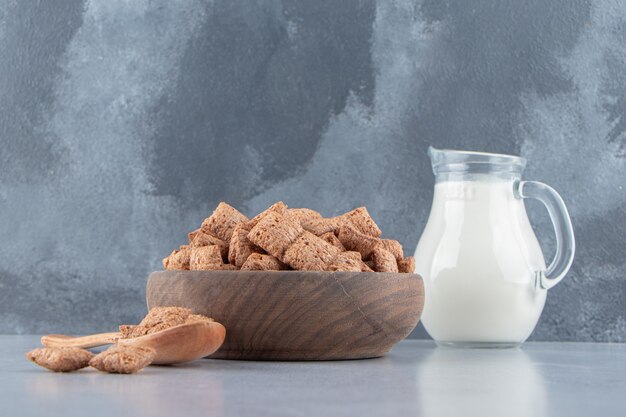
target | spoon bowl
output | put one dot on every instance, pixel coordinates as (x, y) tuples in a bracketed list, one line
[(183, 343)]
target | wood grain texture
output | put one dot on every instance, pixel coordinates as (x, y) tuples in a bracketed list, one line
[(293, 315), (84, 342)]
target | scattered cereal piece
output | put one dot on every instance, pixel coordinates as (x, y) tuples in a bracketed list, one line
[(261, 262), (310, 253), (275, 233), (407, 265), (278, 208), (223, 221), (60, 359), (240, 246), (205, 258), (384, 261), (332, 239), (123, 359)]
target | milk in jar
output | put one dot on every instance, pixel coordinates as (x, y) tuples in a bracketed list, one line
[(478, 255)]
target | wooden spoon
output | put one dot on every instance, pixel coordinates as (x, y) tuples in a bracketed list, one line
[(183, 343)]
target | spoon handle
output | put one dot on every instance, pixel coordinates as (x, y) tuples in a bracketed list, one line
[(93, 340)]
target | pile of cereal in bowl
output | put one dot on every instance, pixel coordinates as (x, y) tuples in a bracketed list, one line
[(281, 238)]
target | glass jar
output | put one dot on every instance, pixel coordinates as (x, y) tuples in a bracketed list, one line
[(484, 274)]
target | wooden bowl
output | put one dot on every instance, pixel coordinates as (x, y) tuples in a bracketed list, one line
[(294, 315)]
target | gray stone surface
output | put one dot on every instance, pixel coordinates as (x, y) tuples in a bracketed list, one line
[(415, 379), (122, 124)]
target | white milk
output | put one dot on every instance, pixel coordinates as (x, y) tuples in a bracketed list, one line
[(477, 256)]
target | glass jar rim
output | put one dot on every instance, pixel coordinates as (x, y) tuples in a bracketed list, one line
[(452, 160)]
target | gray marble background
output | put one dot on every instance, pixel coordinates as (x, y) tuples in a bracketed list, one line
[(122, 124)]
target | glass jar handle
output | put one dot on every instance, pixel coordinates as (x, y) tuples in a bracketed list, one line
[(565, 244)]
